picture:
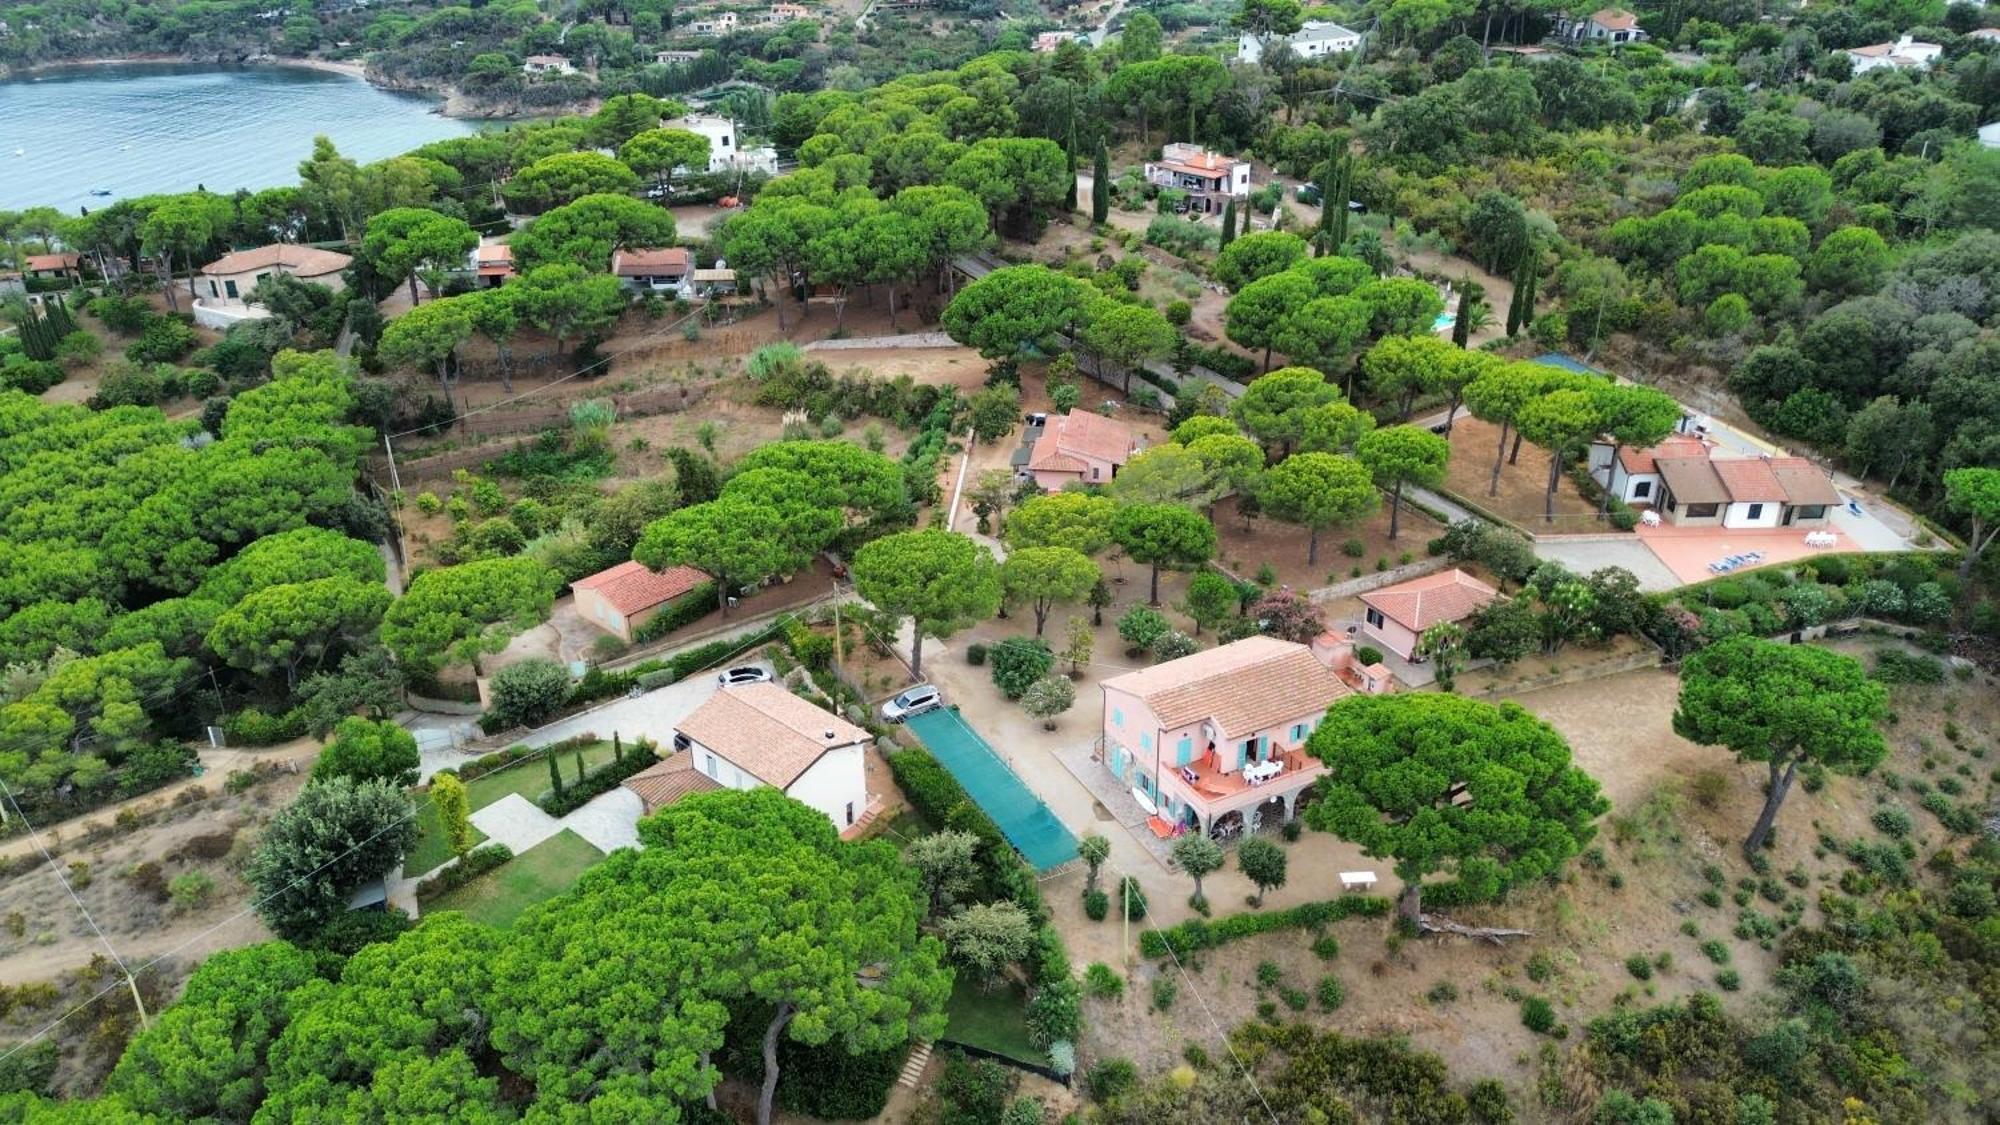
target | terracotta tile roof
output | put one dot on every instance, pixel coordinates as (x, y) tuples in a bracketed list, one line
[(767, 731), (661, 785), (631, 588), (1073, 439), (37, 262), (1692, 480), (649, 263), (1748, 479), (1614, 19), (1247, 686), (1676, 445), (299, 261), (1803, 481), (1423, 602)]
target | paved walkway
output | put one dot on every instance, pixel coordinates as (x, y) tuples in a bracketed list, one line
[(1583, 555), (517, 822), (610, 821)]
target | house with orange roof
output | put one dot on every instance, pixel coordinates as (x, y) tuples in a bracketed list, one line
[(1215, 742), (1079, 448), (1691, 483), (40, 266), (622, 600), (1396, 616), (490, 263), (1634, 475), (1210, 179), (652, 269), (229, 279), (748, 735)]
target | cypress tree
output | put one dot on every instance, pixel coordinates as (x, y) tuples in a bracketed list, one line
[(617, 747), (1461, 328), (1069, 200), (579, 765), (555, 776), (1228, 224), (1528, 263), (1100, 186), (1323, 241), (1514, 303), (1343, 189)]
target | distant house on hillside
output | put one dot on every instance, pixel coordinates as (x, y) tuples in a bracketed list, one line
[(1215, 742), (1605, 25), (1397, 616), (43, 266), (725, 149), (1210, 179), (622, 600), (721, 23), (644, 270), (748, 735), (1314, 39), (537, 65), (675, 58), (223, 288), (491, 264), (1078, 448), (1905, 53)]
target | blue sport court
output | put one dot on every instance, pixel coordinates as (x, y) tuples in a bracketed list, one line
[(1023, 818)]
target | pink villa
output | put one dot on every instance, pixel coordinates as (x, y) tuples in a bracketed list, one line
[(1215, 742), (1079, 447), (1398, 615)]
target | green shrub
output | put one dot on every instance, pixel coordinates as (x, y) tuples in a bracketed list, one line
[(464, 870), (1018, 662), (1331, 994), (1715, 950), (1729, 980), (1164, 992), (1639, 966), (1110, 1079), (1326, 947), (1353, 548), (683, 611), (1540, 966), (975, 654), (1368, 655), (1443, 992), (1103, 982), (1135, 898), (1268, 973), (1538, 1015), (1096, 905)]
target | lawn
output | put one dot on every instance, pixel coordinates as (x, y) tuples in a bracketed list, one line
[(503, 894), (993, 1021), (529, 778)]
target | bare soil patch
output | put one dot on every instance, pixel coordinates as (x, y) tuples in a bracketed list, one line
[(1245, 548), (1523, 484)]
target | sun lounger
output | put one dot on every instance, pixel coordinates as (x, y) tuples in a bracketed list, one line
[(1357, 880)]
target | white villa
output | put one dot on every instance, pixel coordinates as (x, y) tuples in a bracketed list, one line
[(1313, 40)]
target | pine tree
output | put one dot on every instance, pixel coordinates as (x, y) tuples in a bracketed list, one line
[(1100, 186), (1228, 224)]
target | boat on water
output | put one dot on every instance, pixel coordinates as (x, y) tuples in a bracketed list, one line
[(100, 191)]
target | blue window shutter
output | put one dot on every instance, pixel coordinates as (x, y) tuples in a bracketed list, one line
[(1117, 717), (1145, 741), (1185, 753)]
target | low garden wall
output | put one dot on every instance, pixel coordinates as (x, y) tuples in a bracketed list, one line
[(1648, 657), (1378, 580)]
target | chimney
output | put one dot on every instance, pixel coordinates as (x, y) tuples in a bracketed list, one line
[(829, 736)]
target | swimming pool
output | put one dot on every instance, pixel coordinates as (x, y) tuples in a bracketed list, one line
[(1444, 322)]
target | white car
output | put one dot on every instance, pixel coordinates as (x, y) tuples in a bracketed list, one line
[(748, 674), (913, 701)]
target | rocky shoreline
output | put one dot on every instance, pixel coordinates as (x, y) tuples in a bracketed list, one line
[(452, 102)]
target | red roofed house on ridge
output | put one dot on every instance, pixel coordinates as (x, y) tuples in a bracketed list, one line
[(621, 600)]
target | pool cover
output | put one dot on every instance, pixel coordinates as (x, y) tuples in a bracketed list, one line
[(1023, 818)]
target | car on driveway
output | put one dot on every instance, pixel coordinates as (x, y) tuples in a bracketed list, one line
[(747, 674), (911, 702)]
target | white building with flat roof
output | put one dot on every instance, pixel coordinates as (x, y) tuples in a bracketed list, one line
[(1314, 39)]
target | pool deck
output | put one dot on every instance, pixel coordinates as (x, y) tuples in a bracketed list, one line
[(1688, 551)]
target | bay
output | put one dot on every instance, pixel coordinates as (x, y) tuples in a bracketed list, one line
[(139, 128)]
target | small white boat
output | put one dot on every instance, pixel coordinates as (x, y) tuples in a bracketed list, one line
[(20, 152)]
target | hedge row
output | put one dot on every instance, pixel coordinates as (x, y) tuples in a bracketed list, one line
[(575, 794), (945, 803), (1198, 934), (686, 610), (470, 866), (251, 727), (599, 683)]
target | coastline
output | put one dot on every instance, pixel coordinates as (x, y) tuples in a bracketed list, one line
[(451, 102)]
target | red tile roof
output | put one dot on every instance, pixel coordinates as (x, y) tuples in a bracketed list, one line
[(661, 785), (39, 262), (631, 588), (767, 731), (1676, 445), (1423, 602), (1803, 481), (299, 261), (653, 262), (1072, 439), (1748, 479), (1614, 19), (1243, 687)]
